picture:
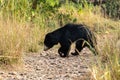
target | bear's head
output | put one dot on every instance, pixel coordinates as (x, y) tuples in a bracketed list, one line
[(50, 41)]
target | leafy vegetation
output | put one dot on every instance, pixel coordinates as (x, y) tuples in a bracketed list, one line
[(23, 24), (113, 8)]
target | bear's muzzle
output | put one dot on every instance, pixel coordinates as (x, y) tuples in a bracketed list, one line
[(46, 48)]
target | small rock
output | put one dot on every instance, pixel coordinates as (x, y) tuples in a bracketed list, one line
[(22, 74), (81, 71), (44, 54), (19, 77), (83, 66), (75, 65), (50, 77), (1, 72), (52, 57), (67, 75), (38, 69), (12, 73), (52, 63)]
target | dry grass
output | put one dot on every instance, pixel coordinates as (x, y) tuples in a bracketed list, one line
[(16, 38), (13, 41), (108, 62)]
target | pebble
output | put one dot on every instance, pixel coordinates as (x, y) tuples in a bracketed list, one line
[(12, 73), (1, 72), (49, 66)]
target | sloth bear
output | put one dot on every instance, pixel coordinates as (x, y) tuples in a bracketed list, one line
[(68, 34)]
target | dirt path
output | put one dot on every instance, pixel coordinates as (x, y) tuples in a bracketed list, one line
[(50, 66)]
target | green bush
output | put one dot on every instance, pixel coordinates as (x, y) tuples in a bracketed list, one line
[(113, 8)]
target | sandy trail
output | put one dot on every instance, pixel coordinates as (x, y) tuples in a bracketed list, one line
[(50, 66)]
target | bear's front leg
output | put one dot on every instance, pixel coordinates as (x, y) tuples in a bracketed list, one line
[(65, 46), (64, 51)]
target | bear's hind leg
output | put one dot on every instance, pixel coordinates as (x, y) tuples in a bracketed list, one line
[(78, 48)]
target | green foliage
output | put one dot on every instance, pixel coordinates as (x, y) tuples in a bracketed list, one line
[(113, 8), (15, 9), (52, 3), (48, 5)]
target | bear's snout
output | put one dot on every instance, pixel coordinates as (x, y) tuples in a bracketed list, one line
[(46, 48)]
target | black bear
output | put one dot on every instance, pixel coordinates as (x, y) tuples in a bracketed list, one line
[(68, 34)]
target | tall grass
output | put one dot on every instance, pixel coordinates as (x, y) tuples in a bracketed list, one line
[(16, 38), (19, 31), (13, 39), (108, 61)]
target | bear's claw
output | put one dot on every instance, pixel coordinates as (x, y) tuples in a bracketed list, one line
[(75, 54)]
